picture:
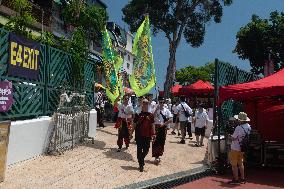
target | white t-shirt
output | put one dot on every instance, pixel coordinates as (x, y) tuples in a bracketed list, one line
[(152, 107), (239, 133), (125, 111), (159, 118), (175, 110), (180, 108), (200, 119)]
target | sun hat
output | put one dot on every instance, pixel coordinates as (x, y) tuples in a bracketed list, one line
[(242, 117)]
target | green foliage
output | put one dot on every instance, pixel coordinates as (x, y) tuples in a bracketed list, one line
[(259, 36), (22, 19), (192, 74), (176, 19), (92, 19), (78, 47)]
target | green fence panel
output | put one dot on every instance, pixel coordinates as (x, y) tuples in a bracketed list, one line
[(34, 98), (228, 75)]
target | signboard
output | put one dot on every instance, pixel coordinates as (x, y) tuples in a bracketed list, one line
[(6, 95), (24, 59), (4, 140)]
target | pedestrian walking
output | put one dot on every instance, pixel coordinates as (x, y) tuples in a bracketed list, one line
[(239, 146), (184, 113), (175, 118), (124, 122), (163, 117), (144, 132), (200, 124), (152, 105), (98, 103)]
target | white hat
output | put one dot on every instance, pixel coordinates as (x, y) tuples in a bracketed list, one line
[(242, 117)]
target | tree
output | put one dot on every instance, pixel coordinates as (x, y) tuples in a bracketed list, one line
[(176, 19), (90, 18), (23, 18), (192, 74), (259, 38)]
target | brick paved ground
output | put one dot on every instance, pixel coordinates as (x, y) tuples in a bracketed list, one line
[(100, 166)]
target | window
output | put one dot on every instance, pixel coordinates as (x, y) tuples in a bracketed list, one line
[(128, 57), (128, 65)]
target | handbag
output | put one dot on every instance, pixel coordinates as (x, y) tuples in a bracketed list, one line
[(185, 112)]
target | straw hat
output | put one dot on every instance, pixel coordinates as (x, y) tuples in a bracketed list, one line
[(242, 117)]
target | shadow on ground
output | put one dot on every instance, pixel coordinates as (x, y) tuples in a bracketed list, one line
[(129, 168), (107, 132), (122, 155), (97, 145)]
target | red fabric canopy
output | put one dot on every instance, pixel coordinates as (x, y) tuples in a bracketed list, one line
[(199, 87), (272, 85), (175, 89)]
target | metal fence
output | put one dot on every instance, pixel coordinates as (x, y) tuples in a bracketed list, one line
[(39, 97), (227, 74)]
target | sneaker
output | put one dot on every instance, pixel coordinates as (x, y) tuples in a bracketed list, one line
[(127, 146), (179, 134), (119, 149), (242, 181), (173, 133), (196, 145), (234, 182), (182, 142), (201, 144)]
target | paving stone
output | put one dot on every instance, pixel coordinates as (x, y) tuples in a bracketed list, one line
[(100, 166)]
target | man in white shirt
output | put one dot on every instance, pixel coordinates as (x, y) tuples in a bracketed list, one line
[(184, 113), (236, 155), (175, 118), (200, 124)]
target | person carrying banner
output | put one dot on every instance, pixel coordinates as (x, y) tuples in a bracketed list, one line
[(163, 117), (124, 122), (144, 131)]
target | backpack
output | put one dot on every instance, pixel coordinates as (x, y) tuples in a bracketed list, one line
[(185, 112), (245, 142)]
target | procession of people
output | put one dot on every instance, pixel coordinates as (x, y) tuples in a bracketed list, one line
[(148, 121)]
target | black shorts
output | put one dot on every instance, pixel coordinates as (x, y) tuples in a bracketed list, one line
[(200, 131), (175, 119)]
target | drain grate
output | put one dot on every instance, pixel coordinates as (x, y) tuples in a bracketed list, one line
[(181, 181), (173, 180)]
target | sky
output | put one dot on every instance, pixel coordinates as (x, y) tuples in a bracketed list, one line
[(220, 39)]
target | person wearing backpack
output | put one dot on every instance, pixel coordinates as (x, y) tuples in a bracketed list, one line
[(184, 114), (239, 146)]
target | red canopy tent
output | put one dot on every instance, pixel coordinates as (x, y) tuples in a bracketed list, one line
[(261, 103), (272, 85), (198, 88), (175, 89)]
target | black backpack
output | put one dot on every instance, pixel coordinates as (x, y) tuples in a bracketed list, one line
[(245, 142)]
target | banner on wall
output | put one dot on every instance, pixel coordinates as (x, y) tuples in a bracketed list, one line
[(6, 95), (24, 58)]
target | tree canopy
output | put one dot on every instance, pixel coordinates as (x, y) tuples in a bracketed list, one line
[(191, 74), (176, 19), (258, 38)]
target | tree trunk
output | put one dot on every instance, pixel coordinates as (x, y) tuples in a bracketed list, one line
[(171, 70)]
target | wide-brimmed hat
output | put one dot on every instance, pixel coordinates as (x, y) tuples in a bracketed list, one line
[(242, 117)]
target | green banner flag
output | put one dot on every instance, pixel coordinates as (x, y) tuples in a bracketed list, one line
[(143, 78), (111, 62)]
